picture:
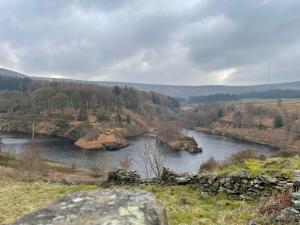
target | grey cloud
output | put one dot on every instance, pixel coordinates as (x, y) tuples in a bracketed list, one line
[(151, 41)]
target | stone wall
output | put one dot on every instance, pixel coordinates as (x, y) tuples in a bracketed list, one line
[(241, 186)]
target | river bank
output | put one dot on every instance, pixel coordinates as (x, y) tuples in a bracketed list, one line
[(239, 136)]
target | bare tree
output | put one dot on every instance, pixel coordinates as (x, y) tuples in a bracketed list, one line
[(1, 144), (126, 162), (170, 131), (100, 166), (153, 159), (31, 163)]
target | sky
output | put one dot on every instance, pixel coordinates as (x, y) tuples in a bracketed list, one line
[(191, 42)]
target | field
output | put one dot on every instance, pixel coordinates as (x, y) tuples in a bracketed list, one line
[(184, 204)]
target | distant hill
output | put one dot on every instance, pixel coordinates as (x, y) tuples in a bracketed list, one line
[(10, 73), (189, 91), (181, 91)]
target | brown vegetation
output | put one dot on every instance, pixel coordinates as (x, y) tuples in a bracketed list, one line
[(233, 159), (275, 123), (209, 165), (275, 204), (87, 113)]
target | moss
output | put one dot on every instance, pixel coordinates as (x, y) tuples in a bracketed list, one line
[(270, 166), (186, 206)]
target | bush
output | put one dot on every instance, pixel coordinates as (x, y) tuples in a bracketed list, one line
[(100, 166), (240, 156), (209, 165), (126, 162), (103, 116), (31, 164), (6, 158), (286, 153), (278, 122), (275, 204)]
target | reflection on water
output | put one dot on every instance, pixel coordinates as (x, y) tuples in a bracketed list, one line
[(63, 151)]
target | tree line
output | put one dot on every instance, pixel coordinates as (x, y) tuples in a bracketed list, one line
[(270, 94), (14, 83), (81, 99)]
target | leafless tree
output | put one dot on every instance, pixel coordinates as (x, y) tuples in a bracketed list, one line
[(100, 166), (126, 162), (31, 163), (153, 159)]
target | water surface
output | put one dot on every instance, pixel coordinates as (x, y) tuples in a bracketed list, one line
[(63, 151)]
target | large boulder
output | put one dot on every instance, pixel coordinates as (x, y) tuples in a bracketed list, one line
[(101, 207)]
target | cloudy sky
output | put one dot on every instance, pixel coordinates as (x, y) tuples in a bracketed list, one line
[(191, 42)]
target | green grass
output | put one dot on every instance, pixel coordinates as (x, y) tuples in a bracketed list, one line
[(184, 204), (17, 199), (270, 166), (7, 159)]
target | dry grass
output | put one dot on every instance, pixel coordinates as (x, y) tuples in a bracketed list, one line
[(209, 165), (274, 204)]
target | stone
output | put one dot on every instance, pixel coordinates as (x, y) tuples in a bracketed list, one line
[(169, 177), (67, 181), (297, 179), (296, 195), (101, 207), (287, 216), (123, 177), (296, 204), (252, 223)]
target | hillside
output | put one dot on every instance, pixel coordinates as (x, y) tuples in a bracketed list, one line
[(272, 123), (94, 117), (181, 90)]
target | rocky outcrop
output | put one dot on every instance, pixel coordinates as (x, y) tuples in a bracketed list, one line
[(101, 207), (102, 141), (184, 143)]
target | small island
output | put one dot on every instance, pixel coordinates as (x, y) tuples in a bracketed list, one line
[(174, 136)]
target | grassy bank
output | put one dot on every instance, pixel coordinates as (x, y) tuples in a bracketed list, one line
[(270, 166), (184, 204)]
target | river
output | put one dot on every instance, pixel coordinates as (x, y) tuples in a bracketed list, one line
[(63, 151)]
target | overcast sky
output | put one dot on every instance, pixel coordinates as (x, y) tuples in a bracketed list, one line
[(191, 42)]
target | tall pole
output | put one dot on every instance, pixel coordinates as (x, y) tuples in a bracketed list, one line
[(270, 78), (33, 133)]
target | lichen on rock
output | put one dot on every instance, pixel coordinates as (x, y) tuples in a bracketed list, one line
[(101, 207)]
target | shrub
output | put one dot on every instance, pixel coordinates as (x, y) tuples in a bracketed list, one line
[(103, 116), (278, 122), (286, 153), (275, 204), (240, 156), (209, 165), (31, 163), (126, 162), (6, 158), (100, 166)]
